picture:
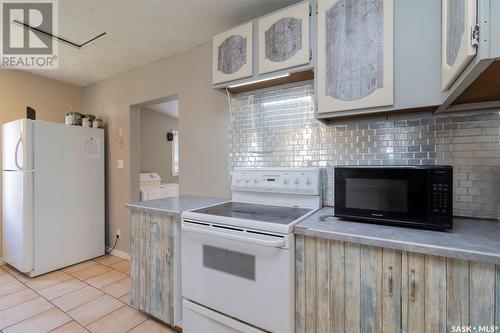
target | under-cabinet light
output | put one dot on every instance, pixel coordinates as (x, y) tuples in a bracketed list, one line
[(257, 81), (305, 99)]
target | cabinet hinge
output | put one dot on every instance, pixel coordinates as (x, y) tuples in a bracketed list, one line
[(317, 8), (310, 9), (475, 35), (310, 54)]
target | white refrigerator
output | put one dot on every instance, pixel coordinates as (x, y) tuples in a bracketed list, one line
[(52, 195)]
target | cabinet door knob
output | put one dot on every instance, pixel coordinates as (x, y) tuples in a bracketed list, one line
[(390, 281), (412, 287)]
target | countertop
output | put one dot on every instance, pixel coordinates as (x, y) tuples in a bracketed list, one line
[(471, 239), (175, 205)]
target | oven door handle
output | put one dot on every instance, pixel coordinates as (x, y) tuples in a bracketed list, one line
[(262, 242)]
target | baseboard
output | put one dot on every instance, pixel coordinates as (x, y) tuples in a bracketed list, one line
[(118, 253), (2, 262)]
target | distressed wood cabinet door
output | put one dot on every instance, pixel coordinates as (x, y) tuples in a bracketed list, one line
[(134, 256), (391, 290), (424, 293), (162, 270), (482, 294), (457, 285), (371, 289), (458, 49), (380, 290), (232, 54), (152, 272), (284, 39), (413, 277), (355, 54), (344, 287), (441, 294), (144, 255)]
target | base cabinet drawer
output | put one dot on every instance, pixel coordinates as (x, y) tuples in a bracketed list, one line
[(346, 287), (199, 319), (153, 265)]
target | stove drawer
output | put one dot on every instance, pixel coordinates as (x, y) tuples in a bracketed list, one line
[(244, 275), (199, 319)]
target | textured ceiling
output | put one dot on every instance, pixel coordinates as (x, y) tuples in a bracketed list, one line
[(143, 31)]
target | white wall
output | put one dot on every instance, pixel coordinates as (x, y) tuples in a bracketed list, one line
[(156, 151), (203, 124)]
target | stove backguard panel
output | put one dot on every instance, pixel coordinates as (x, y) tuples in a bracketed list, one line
[(277, 128)]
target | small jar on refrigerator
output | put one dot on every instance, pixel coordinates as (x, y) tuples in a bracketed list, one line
[(73, 118), (97, 123), (86, 122)]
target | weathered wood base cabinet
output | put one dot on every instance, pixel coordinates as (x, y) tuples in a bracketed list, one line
[(154, 288), (345, 287)]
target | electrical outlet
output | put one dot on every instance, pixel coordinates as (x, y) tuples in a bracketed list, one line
[(119, 164), (118, 233)]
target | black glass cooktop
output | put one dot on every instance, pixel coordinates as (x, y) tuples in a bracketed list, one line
[(255, 212)]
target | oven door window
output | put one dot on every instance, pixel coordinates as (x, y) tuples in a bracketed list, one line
[(231, 262), (378, 193)]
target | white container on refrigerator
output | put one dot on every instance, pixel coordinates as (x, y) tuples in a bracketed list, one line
[(53, 195)]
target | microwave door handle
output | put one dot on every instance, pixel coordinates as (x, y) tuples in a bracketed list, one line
[(269, 243)]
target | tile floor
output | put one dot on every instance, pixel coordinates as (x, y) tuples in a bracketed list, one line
[(93, 296)]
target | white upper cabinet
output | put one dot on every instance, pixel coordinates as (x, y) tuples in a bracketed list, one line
[(459, 46), (470, 55), (284, 39), (232, 54), (355, 54)]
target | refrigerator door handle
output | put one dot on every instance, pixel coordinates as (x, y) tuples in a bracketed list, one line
[(20, 167)]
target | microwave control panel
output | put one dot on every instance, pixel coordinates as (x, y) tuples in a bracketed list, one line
[(442, 192)]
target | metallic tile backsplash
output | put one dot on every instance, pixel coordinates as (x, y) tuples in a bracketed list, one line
[(277, 129)]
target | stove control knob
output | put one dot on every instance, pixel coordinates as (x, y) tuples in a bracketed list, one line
[(247, 180), (309, 181), (238, 180), (285, 181), (297, 181), (256, 180)]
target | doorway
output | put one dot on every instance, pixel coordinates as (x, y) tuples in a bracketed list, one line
[(155, 154)]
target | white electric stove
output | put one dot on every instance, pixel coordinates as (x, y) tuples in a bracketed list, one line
[(238, 256)]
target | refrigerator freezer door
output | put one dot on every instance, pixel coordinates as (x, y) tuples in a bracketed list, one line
[(18, 219), (17, 144), (69, 195)]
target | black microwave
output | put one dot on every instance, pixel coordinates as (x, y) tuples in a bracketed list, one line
[(414, 196)]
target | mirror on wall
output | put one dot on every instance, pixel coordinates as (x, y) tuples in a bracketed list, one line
[(159, 149)]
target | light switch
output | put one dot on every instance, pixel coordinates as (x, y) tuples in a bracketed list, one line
[(119, 164)]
